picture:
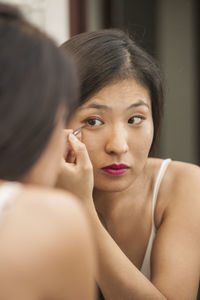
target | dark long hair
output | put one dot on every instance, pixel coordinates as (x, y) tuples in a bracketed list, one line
[(36, 79), (109, 55)]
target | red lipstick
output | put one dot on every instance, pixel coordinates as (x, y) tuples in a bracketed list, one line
[(116, 169)]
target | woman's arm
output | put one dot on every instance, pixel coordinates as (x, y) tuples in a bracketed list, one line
[(118, 277), (176, 251)]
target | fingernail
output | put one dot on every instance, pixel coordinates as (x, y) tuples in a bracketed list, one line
[(73, 137)]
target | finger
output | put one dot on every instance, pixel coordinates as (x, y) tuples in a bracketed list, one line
[(70, 157), (67, 147), (80, 150), (67, 167), (67, 132), (79, 136)]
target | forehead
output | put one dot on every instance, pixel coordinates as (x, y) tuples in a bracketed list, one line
[(120, 94)]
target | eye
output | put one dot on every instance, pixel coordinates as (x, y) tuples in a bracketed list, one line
[(136, 120), (93, 122)]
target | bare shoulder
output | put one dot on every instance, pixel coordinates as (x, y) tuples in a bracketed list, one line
[(177, 168), (47, 204), (44, 211), (48, 232), (179, 189), (182, 179), (182, 188), (50, 198), (178, 176)]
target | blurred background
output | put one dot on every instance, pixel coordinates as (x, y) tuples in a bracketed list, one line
[(168, 29)]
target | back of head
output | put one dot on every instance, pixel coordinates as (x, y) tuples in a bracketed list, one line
[(109, 55), (36, 79)]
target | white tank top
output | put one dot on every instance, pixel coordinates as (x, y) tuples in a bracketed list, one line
[(8, 191), (146, 265)]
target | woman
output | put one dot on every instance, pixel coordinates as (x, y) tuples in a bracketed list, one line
[(145, 211), (41, 228)]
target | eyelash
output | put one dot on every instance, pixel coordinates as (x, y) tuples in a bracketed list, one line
[(92, 118), (98, 119), (142, 118)]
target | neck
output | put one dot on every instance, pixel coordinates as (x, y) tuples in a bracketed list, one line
[(107, 202)]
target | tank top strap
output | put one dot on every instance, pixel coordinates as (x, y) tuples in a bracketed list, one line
[(158, 181), (146, 268), (7, 191)]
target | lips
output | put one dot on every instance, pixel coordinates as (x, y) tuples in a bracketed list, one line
[(116, 169)]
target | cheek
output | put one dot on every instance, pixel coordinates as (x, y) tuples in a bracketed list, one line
[(148, 136), (142, 141), (94, 144)]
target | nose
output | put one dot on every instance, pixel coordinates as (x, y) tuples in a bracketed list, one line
[(117, 141)]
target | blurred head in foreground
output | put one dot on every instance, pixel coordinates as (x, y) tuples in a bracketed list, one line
[(38, 85)]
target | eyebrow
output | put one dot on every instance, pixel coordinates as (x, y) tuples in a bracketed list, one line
[(139, 103), (96, 106), (105, 107)]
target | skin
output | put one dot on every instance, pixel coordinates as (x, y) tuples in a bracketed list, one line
[(123, 203), (112, 136), (42, 232)]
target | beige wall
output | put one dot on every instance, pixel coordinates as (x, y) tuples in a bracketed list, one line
[(176, 48), (95, 12), (51, 16)]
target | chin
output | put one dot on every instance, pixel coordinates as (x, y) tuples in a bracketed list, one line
[(112, 186)]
